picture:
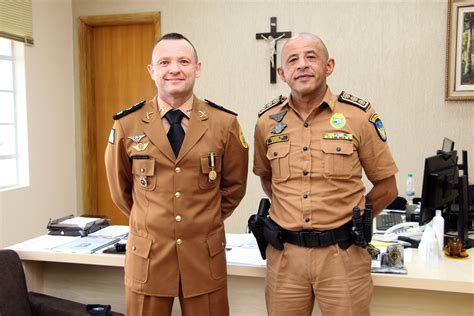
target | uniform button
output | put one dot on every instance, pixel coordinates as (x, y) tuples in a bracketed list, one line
[(305, 196), (177, 195), (338, 149), (177, 169), (306, 124), (306, 220), (142, 170), (306, 172), (275, 153), (305, 148), (179, 218), (134, 248), (179, 241)]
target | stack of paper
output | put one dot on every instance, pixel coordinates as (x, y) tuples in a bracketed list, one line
[(242, 249), (95, 241)]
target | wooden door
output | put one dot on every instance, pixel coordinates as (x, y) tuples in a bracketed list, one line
[(114, 56)]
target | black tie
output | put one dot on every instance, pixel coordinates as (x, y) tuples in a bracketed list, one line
[(176, 132)]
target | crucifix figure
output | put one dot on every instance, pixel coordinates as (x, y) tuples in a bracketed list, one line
[(272, 37)]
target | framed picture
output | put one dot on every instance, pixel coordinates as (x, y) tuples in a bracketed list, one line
[(460, 59)]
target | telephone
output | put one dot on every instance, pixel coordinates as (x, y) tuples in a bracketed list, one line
[(409, 229)]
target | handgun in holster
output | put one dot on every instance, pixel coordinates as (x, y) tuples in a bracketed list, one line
[(264, 229), (256, 225), (362, 226)]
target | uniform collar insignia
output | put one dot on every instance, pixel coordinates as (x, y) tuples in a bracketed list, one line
[(278, 116), (202, 115), (148, 114)]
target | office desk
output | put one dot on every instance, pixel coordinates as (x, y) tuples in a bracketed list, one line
[(447, 289)]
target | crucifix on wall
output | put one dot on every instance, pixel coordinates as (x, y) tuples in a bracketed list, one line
[(273, 37)]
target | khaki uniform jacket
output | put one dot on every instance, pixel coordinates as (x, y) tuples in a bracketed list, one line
[(316, 164), (176, 212)]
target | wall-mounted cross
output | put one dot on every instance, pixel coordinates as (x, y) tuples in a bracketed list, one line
[(273, 38)]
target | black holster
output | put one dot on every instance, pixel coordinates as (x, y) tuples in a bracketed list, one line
[(256, 226), (272, 233), (362, 226)]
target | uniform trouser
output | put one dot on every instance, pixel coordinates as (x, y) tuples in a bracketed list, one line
[(209, 304), (339, 279)]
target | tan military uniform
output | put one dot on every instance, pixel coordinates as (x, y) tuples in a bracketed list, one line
[(316, 165), (176, 210), (316, 172)]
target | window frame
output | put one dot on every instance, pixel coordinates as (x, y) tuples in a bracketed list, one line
[(19, 180)]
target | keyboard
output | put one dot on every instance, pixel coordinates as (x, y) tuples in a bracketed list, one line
[(385, 221)]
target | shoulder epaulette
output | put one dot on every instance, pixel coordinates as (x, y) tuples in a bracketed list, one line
[(220, 107), (277, 101), (349, 98), (129, 110)]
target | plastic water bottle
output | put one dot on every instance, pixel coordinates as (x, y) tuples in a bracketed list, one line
[(410, 189), (438, 227)]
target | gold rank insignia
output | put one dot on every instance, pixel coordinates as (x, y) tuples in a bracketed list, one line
[(375, 119), (277, 139), (336, 135), (202, 115), (140, 146), (337, 120)]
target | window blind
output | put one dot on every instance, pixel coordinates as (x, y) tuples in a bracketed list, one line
[(16, 20)]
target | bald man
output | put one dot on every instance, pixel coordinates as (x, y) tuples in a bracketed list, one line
[(310, 149)]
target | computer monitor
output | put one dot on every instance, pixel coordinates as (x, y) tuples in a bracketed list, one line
[(440, 178), (442, 186)]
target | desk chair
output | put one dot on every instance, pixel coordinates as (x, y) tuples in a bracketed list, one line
[(15, 300)]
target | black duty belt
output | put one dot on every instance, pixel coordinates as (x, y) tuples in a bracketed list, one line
[(314, 238)]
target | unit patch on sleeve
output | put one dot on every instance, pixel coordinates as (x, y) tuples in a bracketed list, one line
[(112, 136), (277, 139), (349, 98), (375, 119)]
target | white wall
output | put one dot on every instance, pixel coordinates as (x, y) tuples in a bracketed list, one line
[(390, 52), (25, 212)]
